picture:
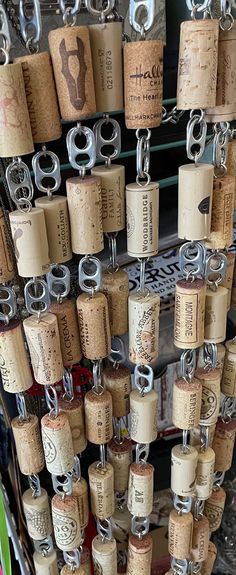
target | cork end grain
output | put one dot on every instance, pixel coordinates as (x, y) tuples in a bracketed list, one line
[(64, 505), (142, 470), (207, 375), (54, 424), (124, 447), (143, 545)]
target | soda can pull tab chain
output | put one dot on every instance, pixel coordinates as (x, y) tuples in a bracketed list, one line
[(20, 185), (210, 355), (179, 566), (8, 299), (142, 452), (104, 529), (182, 504), (195, 143), (74, 151), (216, 265), (143, 156), (204, 437), (69, 13), (149, 10), (198, 508), (67, 383), (77, 468), (51, 400), (39, 301), (90, 274), (191, 260), (97, 377), (226, 20), (220, 148), (34, 483), (143, 378), (44, 547), (109, 6), (4, 35), (72, 558), (114, 141), (199, 8), (117, 355), (58, 281), (188, 364), (113, 266), (218, 479), (62, 485), (228, 407), (30, 24), (140, 526), (21, 406), (52, 172)]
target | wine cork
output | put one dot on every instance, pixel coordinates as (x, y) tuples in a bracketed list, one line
[(142, 215), (106, 48), (74, 411), (214, 508), (15, 136), (215, 315), (73, 71), (143, 416), (80, 491), (104, 556), (186, 407), (45, 565), (120, 457), (195, 201), (113, 196), (225, 109), (189, 313), (41, 97), (68, 330), (85, 561), (66, 570), (210, 381), (208, 564), (219, 360), (94, 325), (180, 534), (228, 279), (101, 483), (14, 365), (233, 293), (57, 444), (200, 539), (197, 71), (183, 470), (115, 286), (37, 514), (143, 84), (223, 444), (139, 555), (28, 443), (143, 327), (44, 346), (66, 525), (195, 439), (228, 381), (85, 206), (58, 227), (221, 234), (6, 256), (98, 417), (118, 383), (121, 525), (205, 473), (231, 164), (30, 241), (140, 491)]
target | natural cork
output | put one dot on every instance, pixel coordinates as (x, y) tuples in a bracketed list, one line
[(68, 330), (195, 201), (183, 470), (180, 534), (142, 215), (45, 565), (74, 411), (223, 444), (143, 416), (37, 514), (231, 164), (225, 109), (205, 473), (143, 327), (80, 491), (120, 457), (84, 198), (228, 279), (216, 315), (28, 443), (106, 48), (66, 570), (29, 236), (233, 293), (57, 444), (118, 383), (14, 365), (104, 554), (115, 286), (187, 396), (15, 135), (121, 525), (65, 518), (228, 381), (200, 539), (101, 483), (58, 228), (197, 70), (95, 335), (221, 234), (189, 313), (208, 564), (143, 84), (98, 417), (41, 97), (214, 508), (113, 196), (139, 555), (44, 346), (6, 256), (73, 71), (210, 381), (140, 491)]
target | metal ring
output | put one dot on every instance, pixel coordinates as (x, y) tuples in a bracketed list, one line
[(104, 529), (67, 382), (143, 381), (140, 526), (42, 300), (21, 407), (58, 286), (199, 7), (134, 7), (52, 172), (10, 301), (52, 401), (117, 354), (143, 184), (34, 483), (101, 13)]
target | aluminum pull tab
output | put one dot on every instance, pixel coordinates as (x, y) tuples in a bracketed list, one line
[(8, 301), (74, 151), (20, 185), (52, 172), (4, 35), (37, 297), (90, 274), (58, 280), (149, 13), (192, 260), (140, 526), (195, 143), (114, 141), (30, 24), (104, 528), (107, 7)]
